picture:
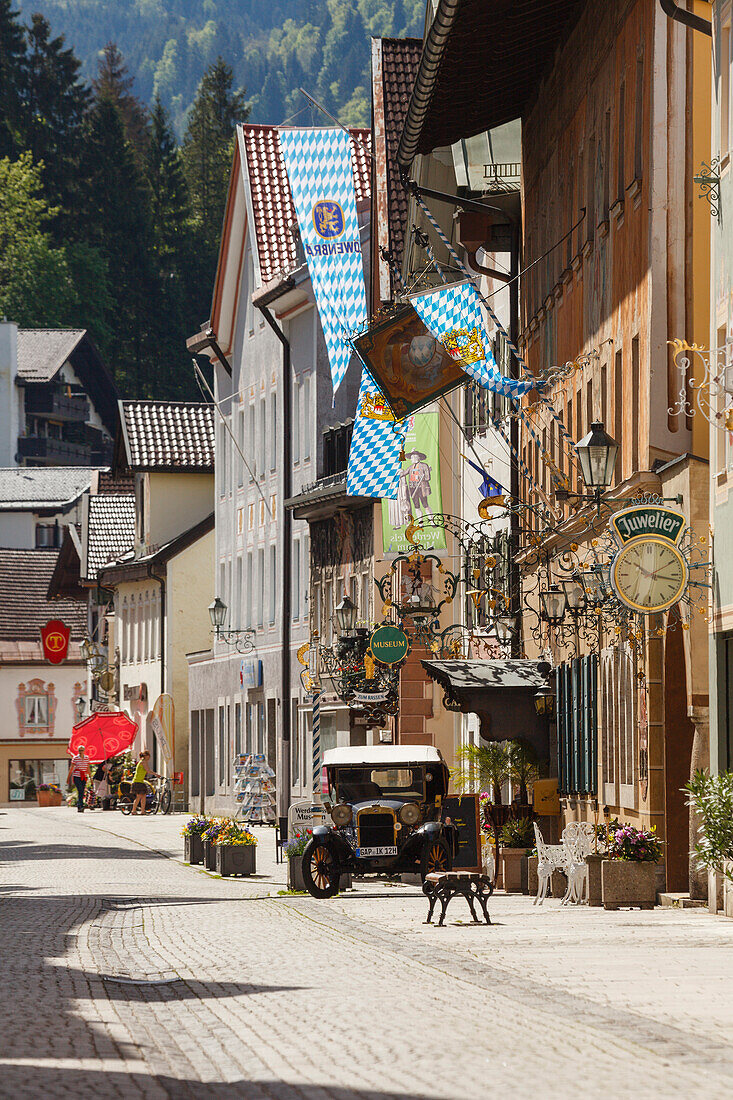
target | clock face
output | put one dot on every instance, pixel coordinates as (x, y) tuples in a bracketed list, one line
[(649, 574)]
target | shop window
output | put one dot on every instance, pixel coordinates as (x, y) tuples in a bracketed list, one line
[(24, 777)]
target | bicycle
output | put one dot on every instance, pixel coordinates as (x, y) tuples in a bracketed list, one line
[(158, 797)]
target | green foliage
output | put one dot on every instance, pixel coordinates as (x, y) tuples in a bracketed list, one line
[(517, 833), (522, 768), (482, 767), (711, 797), (273, 46)]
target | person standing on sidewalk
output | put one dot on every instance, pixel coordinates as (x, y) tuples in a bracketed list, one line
[(78, 771), (139, 786)]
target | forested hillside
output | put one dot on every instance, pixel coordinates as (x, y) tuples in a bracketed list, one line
[(273, 46)]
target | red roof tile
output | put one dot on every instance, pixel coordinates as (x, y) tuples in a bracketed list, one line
[(272, 203)]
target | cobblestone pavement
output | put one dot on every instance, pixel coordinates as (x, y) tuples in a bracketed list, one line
[(247, 993)]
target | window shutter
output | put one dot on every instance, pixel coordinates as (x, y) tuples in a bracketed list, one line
[(577, 725)]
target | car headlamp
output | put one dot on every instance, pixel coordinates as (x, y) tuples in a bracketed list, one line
[(410, 814), (341, 814)]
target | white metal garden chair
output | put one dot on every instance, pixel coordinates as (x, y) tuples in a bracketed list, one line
[(577, 838), (549, 857)]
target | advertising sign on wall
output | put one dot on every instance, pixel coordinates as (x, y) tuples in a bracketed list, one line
[(55, 641), (418, 492)]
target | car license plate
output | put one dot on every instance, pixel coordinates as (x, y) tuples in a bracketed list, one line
[(387, 850)]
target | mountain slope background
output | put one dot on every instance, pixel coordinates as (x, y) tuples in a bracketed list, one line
[(273, 47)]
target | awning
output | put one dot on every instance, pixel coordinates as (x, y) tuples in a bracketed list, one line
[(481, 62), (501, 693)]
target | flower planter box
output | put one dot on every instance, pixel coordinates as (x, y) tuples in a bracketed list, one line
[(295, 873), (234, 859), (511, 867), (193, 849), (533, 882), (627, 884), (49, 798), (595, 888), (209, 856)]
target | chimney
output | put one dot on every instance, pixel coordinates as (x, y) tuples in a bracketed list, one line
[(9, 394)]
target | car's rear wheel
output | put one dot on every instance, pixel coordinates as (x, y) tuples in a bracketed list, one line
[(319, 873), (435, 858)]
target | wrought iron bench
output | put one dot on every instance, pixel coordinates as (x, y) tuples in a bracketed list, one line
[(442, 886)]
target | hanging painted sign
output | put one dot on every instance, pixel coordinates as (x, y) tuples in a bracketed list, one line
[(389, 645), (55, 641), (454, 316), (418, 489), (650, 520), (319, 168)]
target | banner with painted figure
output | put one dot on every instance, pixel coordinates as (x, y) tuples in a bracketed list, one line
[(163, 725), (454, 316), (418, 491), (319, 167)]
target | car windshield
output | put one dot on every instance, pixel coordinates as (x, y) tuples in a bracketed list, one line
[(406, 783)]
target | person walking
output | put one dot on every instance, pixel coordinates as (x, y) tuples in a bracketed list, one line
[(101, 781), (139, 787), (78, 772)]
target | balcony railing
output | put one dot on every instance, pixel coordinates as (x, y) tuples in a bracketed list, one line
[(43, 401), (54, 452)]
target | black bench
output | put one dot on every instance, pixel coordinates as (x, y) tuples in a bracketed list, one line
[(442, 886)]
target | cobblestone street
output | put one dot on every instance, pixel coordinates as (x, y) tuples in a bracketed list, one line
[(249, 993)]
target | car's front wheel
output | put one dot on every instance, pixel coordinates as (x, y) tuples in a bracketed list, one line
[(319, 873), (435, 857)]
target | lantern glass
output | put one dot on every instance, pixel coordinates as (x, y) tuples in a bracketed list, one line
[(597, 453), (553, 604), (504, 627), (217, 613), (575, 595), (346, 616)]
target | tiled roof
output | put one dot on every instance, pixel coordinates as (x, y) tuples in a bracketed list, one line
[(400, 62), (24, 608), (272, 203), (168, 435), (43, 351), (119, 485), (111, 530), (28, 487)]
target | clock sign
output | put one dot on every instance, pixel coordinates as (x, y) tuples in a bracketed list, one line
[(649, 572)]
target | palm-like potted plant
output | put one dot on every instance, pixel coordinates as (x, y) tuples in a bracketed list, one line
[(484, 768), (522, 768)]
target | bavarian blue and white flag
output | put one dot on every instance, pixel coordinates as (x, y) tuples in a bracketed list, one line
[(453, 315), (318, 164), (374, 458)]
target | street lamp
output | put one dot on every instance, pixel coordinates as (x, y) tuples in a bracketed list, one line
[(575, 595), (505, 627), (346, 616), (544, 702), (596, 585), (240, 639), (597, 453), (553, 602)]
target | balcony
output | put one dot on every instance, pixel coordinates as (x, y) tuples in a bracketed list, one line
[(44, 451), (54, 403)]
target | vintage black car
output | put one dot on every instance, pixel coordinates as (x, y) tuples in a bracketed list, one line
[(385, 806)]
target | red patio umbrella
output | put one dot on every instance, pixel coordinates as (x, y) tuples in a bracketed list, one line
[(103, 734)]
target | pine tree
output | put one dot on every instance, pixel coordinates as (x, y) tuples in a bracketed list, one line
[(118, 216), (170, 207), (114, 82), (208, 147), (55, 102), (12, 58)]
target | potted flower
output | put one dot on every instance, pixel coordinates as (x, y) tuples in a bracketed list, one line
[(294, 851), (516, 842), (628, 875), (208, 837), (234, 849), (192, 833), (49, 794)]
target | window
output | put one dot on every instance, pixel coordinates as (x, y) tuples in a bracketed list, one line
[(249, 307), (296, 421), (252, 449), (273, 582), (250, 728), (221, 459), (306, 572), (607, 168), (240, 440), (619, 736), (639, 119), (635, 382), (25, 775), (238, 728), (261, 739), (315, 620), (621, 154), (222, 581), (237, 613), (260, 586), (295, 594), (364, 598), (327, 625), (604, 395), (273, 427), (589, 404), (306, 417), (248, 595), (724, 91), (294, 746), (222, 747), (48, 535), (263, 436), (590, 218), (36, 710), (146, 629), (124, 634), (577, 725), (140, 627), (618, 408)]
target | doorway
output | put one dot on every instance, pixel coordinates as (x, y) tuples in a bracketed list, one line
[(678, 735)]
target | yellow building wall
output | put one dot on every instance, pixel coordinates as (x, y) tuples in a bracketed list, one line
[(175, 502)]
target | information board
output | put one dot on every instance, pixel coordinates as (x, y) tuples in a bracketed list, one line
[(463, 812)]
